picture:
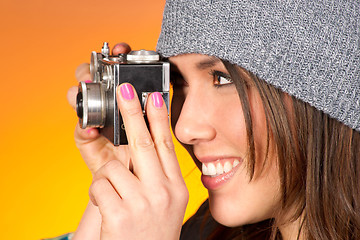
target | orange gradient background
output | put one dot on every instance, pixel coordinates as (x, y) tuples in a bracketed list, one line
[(43, 181)]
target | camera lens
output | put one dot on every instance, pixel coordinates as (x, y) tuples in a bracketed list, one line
[(79, 105), (90, 105)]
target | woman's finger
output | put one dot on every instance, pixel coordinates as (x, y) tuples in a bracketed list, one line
[(84, 136), (96, 150), (160, 131), (82, 72), (123, 181), (142, 150), (103, 195), (71, 96), (121, 48)]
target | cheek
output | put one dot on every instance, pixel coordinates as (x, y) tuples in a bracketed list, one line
[(230, 123)]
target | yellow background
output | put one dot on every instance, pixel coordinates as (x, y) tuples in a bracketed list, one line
[(43, 181)]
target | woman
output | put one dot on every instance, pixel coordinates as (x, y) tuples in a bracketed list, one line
[(266, 101)]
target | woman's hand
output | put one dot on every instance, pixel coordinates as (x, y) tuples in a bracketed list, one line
[(95, 149), (150, 202)]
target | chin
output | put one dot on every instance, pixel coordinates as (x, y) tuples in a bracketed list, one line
[(231, 215), (231, 220)]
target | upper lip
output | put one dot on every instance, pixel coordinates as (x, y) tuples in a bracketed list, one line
[(212, 158)]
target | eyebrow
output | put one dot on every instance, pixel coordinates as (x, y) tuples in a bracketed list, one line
[(210, 62)]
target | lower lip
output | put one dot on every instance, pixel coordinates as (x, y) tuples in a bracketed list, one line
[(213, 183)]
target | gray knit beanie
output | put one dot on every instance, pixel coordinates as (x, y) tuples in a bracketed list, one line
[(309, 49)]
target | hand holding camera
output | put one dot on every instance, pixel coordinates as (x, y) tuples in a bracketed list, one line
[(133, 204), (95, 149)]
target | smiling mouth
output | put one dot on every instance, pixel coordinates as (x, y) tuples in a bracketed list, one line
[(216, 168)]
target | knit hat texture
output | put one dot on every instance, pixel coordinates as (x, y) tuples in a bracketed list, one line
[(309, 49)]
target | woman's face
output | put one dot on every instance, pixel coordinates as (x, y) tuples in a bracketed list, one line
[(208, 120)]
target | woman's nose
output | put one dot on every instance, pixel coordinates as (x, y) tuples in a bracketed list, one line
[(194, 123)]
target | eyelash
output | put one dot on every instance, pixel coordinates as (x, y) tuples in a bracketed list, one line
[(217, 75)]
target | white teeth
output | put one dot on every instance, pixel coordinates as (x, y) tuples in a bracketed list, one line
[(236, 162), (211, 169), (227, 167), (205, 169), (215, 169), (219, 169)]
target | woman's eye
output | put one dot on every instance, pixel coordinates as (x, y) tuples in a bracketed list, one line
[(221, 78)]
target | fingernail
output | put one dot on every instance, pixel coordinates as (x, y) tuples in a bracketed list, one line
[(127, 91), (88, 81), (157, 99), (89, 130)]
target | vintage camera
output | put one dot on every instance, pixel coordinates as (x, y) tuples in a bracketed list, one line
[(96, 104)]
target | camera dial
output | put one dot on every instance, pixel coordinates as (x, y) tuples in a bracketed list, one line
[(142, 56)]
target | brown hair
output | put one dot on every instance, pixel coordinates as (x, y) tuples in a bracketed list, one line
[(319, 165)]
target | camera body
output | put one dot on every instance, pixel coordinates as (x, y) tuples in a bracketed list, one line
[(96, 104)]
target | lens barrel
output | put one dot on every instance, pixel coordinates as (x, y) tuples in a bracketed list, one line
[(90, 105)]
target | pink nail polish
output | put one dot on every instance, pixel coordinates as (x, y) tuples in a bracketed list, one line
[(88, 81), (157, 99), (127, 91)]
